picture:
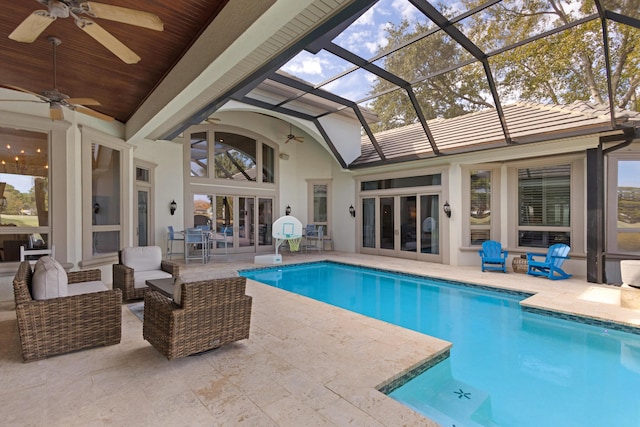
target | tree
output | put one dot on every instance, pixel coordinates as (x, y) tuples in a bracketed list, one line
[(560, 68)]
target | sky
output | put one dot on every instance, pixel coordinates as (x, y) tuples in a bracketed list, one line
[(629, 173), (22, 183), (364, 37)]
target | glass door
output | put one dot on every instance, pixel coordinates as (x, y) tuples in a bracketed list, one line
[(142, 217), (224, 224), (387, 223), (246, 229), (430, 226), (265, 219), (406, 226)]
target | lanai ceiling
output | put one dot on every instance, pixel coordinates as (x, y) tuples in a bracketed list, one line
[(87, 69)]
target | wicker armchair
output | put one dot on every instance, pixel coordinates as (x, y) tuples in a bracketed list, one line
[(212, 313), (124, 277), (65, 324)]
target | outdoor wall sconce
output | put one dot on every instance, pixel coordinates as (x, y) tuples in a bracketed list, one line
[(287, 211), (447, 209), (172, 207), (96, 207), (352, 211)]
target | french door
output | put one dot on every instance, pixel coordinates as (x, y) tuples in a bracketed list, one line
[(406, 226), (239, 224)]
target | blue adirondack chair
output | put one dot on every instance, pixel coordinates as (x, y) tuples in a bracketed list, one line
[(493, 257), (551, 267)]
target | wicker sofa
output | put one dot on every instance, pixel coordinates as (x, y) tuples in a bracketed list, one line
[(65, 324), (137, 265), (211, 313)]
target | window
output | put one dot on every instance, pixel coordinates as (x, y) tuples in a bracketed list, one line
[(480, 213), (24, 192), (544, 200), (628, 206), (199, 152), (319, 201), (105, 200), (268, 164), (404, 182), (235, 157)]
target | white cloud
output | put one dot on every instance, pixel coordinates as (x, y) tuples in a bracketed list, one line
[(405, 9), (311, 66)]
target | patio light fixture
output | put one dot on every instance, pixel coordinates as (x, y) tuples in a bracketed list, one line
[(447, 209), (287, 211), (352, 211), (173, 206)]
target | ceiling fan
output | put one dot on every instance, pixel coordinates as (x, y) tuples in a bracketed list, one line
[(292, 137), (57, 99), (29, 30)]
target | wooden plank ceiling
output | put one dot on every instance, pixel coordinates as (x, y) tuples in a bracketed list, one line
[(86, 69)]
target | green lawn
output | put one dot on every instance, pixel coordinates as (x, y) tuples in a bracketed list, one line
[(20, 220)]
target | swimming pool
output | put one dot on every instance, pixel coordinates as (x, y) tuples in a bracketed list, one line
[(507, 367)]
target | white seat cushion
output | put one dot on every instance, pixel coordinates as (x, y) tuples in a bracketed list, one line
[(142, 258), (49, 279), (87, 287), (140, 277)]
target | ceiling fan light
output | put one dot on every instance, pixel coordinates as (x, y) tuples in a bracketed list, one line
[(58, 9)]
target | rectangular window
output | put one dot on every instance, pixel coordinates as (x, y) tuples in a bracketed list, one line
[(24, 192), (544, 200), (199, 149), (268, 164), (409, 181), (320, 204), (480, 214), (142, 174), (105, 199), (628, 206)]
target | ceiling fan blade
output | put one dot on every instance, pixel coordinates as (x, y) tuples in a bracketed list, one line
[(19, 89), (29, 29), (55, 112), (124, 15), (103, 37), (299, 139), (93, 113), (83, 101)]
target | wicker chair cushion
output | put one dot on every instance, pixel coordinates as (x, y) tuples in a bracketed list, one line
[(177, 290), (49, 279), (86, 287), (142, 258), (140, 277)]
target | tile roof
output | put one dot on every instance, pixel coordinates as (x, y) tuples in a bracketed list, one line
[(526, 121)]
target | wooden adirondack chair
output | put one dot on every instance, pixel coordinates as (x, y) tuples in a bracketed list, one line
[(493, 257), (551, 267)]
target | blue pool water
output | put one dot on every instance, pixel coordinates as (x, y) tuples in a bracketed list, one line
[(507, 367)]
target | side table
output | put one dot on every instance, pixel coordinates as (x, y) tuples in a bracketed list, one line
[(520, 264)]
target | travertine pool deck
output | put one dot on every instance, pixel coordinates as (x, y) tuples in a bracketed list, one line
[(306, 363)]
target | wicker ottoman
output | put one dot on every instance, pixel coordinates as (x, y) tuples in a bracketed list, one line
[(520, 264)]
